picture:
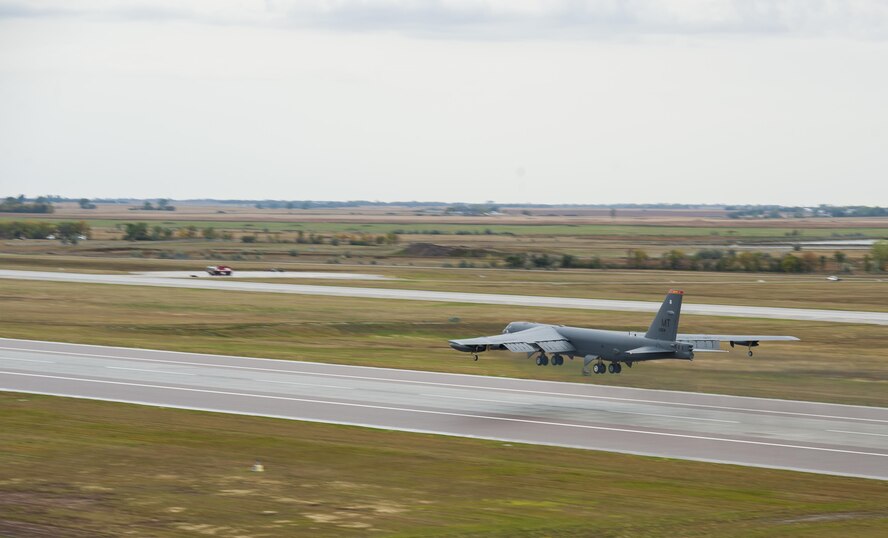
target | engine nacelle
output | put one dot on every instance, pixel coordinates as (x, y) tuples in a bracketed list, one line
[(684, 351), (468, 349)]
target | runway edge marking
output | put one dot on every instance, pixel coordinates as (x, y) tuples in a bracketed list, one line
[(448, 413), (505, 389)]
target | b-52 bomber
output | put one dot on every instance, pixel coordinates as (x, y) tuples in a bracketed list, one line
[(551, 343)]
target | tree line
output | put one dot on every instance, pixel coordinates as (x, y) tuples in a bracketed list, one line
[(708, 260), (70, 232), (13, 204)]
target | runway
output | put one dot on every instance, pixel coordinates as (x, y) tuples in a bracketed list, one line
[(805, 436), (222, 283)]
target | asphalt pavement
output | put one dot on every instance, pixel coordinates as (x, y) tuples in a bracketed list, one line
[(805, 436)]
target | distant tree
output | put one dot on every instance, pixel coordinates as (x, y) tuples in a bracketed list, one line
[(809, 262), (542, 261), (86, 204), (568, 260), (516, 261), (613, 212), (209, 233), (879, 254), (72, 232), (637, 258), (188, 232), (248, 238), (148, 206), (790, 264), (840, 257), (136, 231), (675, 259)]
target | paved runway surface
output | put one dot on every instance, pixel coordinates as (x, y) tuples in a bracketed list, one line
[(846, 316), (822, 438), (320, 275)]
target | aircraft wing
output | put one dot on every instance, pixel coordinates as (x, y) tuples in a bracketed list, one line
[(543, 338), (711, 342)]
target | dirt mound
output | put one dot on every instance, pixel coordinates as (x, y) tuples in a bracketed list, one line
[(431, 250)]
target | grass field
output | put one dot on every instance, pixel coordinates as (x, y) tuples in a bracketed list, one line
[(868, 293), (78, 468), (412, 334)]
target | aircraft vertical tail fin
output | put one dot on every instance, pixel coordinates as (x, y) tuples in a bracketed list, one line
[(665, 325)]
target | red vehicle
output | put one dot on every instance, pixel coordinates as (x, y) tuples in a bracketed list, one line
[(219, 270)]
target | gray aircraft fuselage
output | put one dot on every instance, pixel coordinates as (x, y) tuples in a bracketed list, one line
[(611, 345)]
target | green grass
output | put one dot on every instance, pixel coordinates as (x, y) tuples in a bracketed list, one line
[(835, 362), (94, 469)]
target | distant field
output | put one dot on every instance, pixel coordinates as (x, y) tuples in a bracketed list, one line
[(79, 468), (835, 362), (810, 229)]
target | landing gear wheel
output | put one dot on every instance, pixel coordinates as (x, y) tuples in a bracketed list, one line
[(611, 368), (749, 353), (618, 368), (595, 368), (557, 360), (542, 360)]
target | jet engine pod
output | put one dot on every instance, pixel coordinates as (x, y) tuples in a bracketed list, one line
[(468, 349), (684, 351)]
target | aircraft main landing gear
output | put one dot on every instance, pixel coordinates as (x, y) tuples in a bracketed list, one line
[(614, 368), (587, 360), (543, 360)]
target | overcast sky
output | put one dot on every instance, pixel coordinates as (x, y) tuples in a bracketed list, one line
[(693, 101)]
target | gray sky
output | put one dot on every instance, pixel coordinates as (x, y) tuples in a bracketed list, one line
[(695, 101)]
